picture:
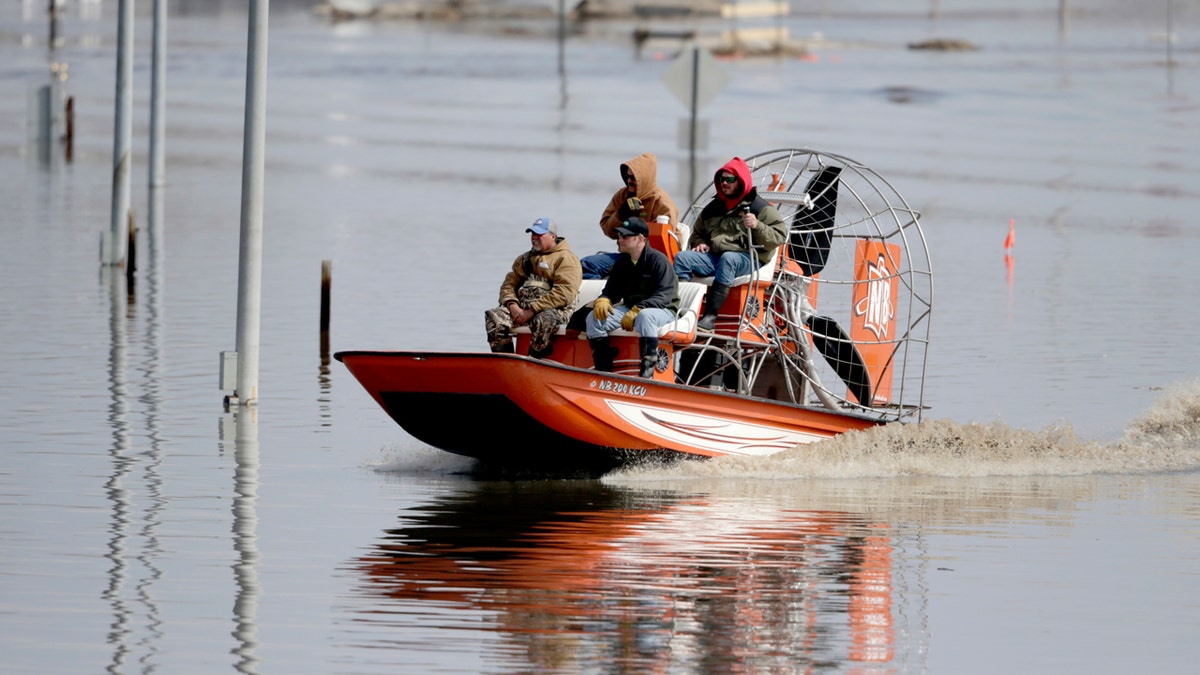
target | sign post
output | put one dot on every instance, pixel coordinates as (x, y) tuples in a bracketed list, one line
[(695, 79)]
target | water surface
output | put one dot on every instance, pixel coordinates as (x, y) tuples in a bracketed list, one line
[(1043, 520)]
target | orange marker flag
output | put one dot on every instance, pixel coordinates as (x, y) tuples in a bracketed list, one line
[(1008, 241)]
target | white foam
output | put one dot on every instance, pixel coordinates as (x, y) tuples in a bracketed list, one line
[(1166, 438), (414, 458)]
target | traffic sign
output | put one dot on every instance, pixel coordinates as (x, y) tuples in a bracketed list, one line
[(695, 77)]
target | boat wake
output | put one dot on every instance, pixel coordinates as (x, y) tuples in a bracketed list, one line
[(416, 458), (1164, 439)]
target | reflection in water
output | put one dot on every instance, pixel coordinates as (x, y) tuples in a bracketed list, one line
[(136, 625), (324, 382), (648, 582), (114, 487), (134, 547), (245, 538), (325, 397), (152, 399)]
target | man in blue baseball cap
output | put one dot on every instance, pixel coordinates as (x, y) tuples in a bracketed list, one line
[(543, 226), (537, 292)]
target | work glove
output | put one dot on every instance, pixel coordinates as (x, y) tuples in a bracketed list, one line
[(601, 308), (631, 207), (627, 320)]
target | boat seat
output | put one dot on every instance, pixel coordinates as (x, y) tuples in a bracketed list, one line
[(589, 290), (741, 315), (684, 232), (667, 240), (764, 274), (681, 331), (672, 336)]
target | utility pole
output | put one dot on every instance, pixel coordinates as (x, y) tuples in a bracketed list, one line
[(157, 94), (118, 239), (250, 254)]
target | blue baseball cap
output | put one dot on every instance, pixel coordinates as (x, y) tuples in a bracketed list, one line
[(542, 226)]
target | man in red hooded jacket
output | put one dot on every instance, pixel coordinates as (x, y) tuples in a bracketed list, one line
[(736, 233)]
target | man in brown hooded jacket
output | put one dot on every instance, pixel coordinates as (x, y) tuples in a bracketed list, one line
[(642, 197)]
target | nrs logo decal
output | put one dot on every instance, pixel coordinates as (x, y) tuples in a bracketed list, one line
[(876, 308)]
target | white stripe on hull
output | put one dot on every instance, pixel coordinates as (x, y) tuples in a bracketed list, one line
[(706, 432)]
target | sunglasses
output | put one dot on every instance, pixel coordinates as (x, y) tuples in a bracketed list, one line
[(728, 180), (626, 236)]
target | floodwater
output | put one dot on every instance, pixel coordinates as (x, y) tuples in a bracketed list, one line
[(1044, 518)]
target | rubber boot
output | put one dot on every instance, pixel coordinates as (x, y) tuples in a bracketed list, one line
[(540, 354), (504, 348), (649, 347), (602, 353), (712, 305)]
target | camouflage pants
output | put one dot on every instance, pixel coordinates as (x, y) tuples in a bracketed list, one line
[(499, 324)]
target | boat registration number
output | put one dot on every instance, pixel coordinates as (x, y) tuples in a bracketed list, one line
[(621, 388)]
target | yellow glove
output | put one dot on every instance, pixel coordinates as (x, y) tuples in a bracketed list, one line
[(627, 320), (601, 308)]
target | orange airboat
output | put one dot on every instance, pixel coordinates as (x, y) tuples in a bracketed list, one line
[(830, 337)]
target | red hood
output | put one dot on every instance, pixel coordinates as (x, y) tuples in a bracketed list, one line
[(736, 166)]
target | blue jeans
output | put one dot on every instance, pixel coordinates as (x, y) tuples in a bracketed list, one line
[(599, 265), (724, 267), (645, 324)]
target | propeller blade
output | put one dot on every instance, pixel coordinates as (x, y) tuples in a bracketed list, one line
[(842, 355), (812, 229)]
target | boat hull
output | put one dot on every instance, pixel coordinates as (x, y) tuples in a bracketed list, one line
[(514, 410)]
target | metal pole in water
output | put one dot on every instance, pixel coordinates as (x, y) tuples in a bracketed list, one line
[(562, 37), (250, 254), (123, 129), (695, 106), (1170, 33), (157, 93)]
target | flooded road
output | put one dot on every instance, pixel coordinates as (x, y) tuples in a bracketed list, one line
[(1044, 520)]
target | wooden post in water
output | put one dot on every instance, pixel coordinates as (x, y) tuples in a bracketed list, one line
[(131, 257), (53, 24), (326, 281), (69, 134)]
